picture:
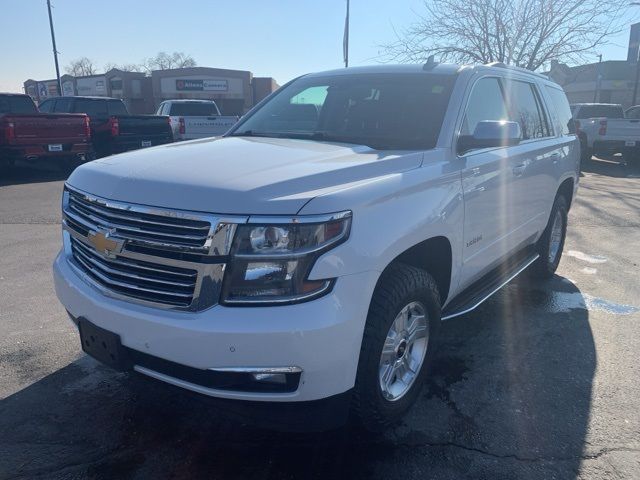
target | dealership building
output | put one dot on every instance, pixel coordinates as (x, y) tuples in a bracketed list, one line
[(610, 81), (235, 91)]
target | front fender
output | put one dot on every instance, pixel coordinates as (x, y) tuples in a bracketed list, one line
[(390, 215)]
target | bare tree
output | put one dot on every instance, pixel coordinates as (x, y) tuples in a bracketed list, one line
[(125, 67), (166, 61), (81, 67), (525, 33)]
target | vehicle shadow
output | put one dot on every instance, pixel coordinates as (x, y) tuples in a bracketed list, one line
[(37, 173), (614, 166), (509, 397)]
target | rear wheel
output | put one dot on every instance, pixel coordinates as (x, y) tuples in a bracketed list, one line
[(397, 346), (585, 152), (551, 243), (6, 165)]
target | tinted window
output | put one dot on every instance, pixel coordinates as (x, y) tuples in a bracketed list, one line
[(525, 109), (560, 111), (17, 104), (116, 107), (485, 103), (90, 107), (193, 109), (633, 113), (63, 105), (594, 111), (46, 106), (398, 111)]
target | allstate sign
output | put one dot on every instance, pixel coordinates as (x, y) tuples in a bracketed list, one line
[(215, 85)]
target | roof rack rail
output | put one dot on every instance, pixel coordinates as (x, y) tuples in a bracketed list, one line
[(513, 67)]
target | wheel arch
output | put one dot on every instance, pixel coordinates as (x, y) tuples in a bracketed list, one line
[(566, 189), (433, 255)]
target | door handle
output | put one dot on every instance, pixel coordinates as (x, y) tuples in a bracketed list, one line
[(518, 170)]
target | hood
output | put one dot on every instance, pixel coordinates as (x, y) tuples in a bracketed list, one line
[(236, 175)]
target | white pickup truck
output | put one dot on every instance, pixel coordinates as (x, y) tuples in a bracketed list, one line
[(605, 129), (193, 119), (300, 266)]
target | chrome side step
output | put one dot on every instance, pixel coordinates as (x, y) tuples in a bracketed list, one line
[(473, 296)]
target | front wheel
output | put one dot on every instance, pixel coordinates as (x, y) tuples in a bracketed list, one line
[(551, 243), (397, 347)]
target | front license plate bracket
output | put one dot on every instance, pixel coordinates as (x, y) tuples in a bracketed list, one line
[(103, 345)]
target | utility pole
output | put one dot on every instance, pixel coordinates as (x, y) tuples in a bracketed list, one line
[(345, 39), (635, 85), (55, 50), (598, 80)]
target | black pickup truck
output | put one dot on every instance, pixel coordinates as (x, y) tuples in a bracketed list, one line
[(113, 129)]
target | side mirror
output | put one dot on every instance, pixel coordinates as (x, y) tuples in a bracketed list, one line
[(491, 133)]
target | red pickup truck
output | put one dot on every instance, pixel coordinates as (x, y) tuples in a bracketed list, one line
[(27, 134)]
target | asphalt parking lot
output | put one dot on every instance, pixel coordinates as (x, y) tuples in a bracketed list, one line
[(542, 381)]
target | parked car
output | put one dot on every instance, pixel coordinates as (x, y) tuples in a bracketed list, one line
[(26, 134), (302, 264), (113, 129), (192, 119), (604, 129)]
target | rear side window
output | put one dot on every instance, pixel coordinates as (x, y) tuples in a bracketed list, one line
[(595, 111), (116, 107), (193, 109), (560, 111), (46, 106), (525, 108), (17, 104), (633, 113), (485, 103), (90, 107), (63, 105)]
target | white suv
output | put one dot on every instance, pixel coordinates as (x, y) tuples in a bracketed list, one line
[(306, 259)]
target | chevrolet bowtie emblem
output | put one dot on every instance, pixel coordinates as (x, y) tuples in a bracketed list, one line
[(102, 241)]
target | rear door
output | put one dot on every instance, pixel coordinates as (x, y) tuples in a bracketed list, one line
[(534, 161), (487, 181)]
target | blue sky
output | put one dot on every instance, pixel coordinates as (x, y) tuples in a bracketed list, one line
[(278, 38)]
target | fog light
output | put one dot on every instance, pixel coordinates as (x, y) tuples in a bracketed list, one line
[(278, 378)]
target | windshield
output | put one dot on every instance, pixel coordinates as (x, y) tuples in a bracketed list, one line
[(383, 111), (193, 109)]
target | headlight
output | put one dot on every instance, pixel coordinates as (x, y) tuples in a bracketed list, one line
[(271, 259)]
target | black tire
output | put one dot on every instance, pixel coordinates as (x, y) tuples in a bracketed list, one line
[(6, 166), (545, 267), (398, 286), (585, 152)]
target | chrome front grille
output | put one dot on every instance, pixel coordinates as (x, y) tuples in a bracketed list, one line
[(152, 256), (142, 280), (86, 213)]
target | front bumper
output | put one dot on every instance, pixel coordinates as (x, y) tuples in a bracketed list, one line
[(322, 337)]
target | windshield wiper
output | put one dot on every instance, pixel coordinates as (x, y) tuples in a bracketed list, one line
[(318, 136), (251, 133)]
